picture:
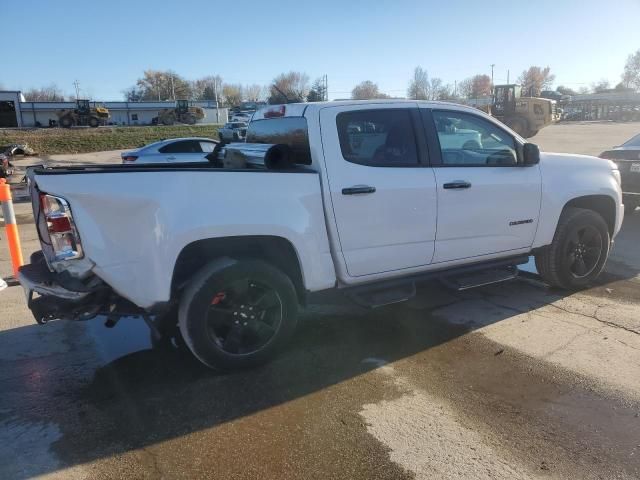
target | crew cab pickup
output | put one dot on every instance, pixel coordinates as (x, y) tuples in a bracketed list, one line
[(366, 197)]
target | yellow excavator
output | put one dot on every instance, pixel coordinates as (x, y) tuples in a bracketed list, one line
[(83, 115), (181, 113)]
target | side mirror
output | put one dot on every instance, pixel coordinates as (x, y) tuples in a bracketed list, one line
[(531, 154)]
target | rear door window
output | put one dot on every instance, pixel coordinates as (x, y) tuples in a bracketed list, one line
[(378, 138), (182, 146)]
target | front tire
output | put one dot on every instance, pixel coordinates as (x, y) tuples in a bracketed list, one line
[(579, 250), (237, 313)]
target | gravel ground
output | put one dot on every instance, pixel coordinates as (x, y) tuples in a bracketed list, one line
[(511, 381)]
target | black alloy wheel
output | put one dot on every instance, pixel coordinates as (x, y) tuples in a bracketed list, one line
[(583, 251), (244, 317)]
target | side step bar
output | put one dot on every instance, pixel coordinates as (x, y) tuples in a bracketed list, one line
[(378, 294), (480, 278)]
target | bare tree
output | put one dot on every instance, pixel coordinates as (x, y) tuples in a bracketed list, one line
[(465, 88), (232, 94), (51, 93), (631, 75), (583, 90), (366, 90), (419, 85), (535, 79), (163, 85), (207, 88), (474, 87), (253, 93), (601, 86), (289, 87)]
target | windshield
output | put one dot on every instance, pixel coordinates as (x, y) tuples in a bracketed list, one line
[(634, 142)]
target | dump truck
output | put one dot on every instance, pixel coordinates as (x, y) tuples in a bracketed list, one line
[(83, 115), (181, 113)]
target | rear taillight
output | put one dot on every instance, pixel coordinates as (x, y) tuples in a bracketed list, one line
[(129, 159), (63, 235), (274, 112)]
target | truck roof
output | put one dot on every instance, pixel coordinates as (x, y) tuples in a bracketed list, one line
[(299, 109)]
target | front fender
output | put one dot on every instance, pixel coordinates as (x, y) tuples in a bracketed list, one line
[(566, 178)]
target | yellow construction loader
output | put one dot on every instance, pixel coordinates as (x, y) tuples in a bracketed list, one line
[(82, 115), (525, 115), (181, 113)]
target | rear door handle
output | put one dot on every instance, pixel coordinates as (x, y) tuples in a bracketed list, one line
[(457, 185), (357, 189)]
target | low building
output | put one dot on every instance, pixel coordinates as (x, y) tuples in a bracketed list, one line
[(15, 112), (10, 112)]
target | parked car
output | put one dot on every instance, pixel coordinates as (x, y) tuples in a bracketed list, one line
[(172, 150), (241, 117), (627, 157), (233, 132), (225, 256)]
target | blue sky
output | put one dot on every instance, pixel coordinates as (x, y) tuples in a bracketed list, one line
[(107, 45)]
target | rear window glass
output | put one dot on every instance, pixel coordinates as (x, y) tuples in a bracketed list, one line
[(291, 131)]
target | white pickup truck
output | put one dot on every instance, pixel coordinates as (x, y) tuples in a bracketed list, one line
[(365, 197)]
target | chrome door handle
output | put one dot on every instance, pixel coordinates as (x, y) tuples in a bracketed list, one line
[(171, 158), (358, 189), (457, 185)]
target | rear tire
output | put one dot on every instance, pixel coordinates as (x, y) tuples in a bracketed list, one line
[(579, 250), (94, 122), (237, 313)]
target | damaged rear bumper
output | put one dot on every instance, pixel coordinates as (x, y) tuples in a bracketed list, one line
[(52, 296)]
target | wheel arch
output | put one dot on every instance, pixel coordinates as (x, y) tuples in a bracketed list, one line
[(601, 204), (277, 251)]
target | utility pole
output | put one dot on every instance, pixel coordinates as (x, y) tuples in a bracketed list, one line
[(455, 88), (492, 65), (173, 89), (507, 76), (326, 87), (76, 84)]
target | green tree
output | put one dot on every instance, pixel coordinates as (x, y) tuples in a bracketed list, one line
[(562, 90), (318, 92)]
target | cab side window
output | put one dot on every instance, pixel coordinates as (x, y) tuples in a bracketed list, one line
[(377, 138), (469, 140)]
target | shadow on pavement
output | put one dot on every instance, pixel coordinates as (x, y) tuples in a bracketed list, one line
[(106, 392)]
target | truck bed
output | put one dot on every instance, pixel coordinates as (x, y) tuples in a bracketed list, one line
[(134, 221)]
